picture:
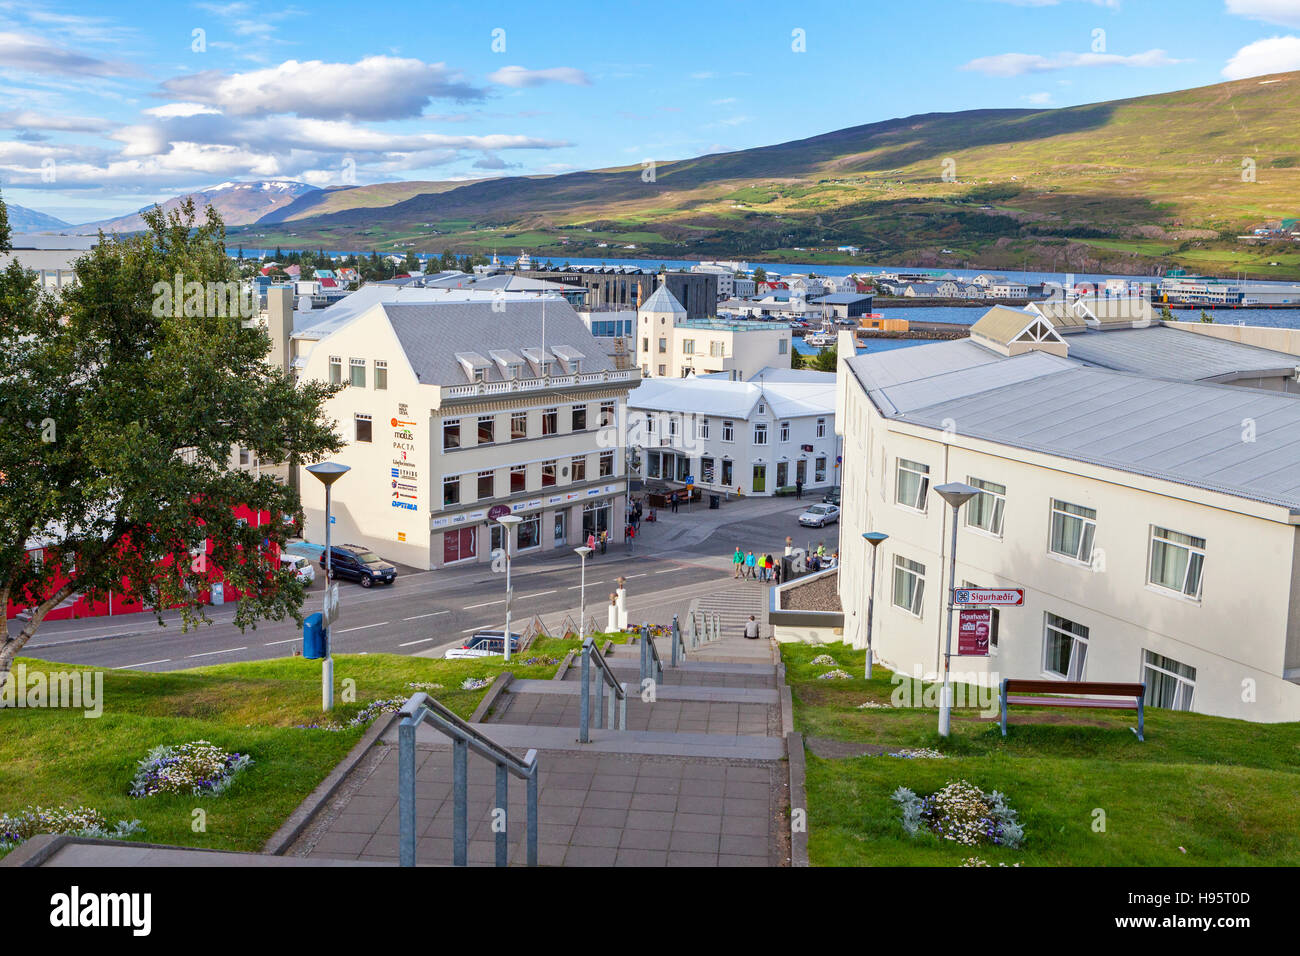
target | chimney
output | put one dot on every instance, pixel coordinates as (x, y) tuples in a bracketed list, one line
[(279, 321)]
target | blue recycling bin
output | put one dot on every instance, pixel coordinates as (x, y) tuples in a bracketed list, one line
[(313, 637)]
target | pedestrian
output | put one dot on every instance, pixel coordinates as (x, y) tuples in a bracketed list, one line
[(750, 561), (767, 567), (798, 488), (738, 559), (631, 537), (751, 628), (777, 569), (789, 546), (604, 540), (676, 503), (591, 541)]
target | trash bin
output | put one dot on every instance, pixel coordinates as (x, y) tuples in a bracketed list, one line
[(218, 593), (313, 636), (714, 501)]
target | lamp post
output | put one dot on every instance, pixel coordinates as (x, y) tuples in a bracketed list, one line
[(582, 593), (956, 493), (508, 522), (873, 538), (328, 472)]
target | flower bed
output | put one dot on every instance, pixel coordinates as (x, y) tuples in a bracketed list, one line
[(837, 674), (17, 828), (475, 683), (198, 767), (823, 660), (962, 813)]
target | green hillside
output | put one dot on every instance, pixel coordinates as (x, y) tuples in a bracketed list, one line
[(1128, 186)]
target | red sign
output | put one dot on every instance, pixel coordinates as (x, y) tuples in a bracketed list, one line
[(975, 624), (496, 511), (989, 597)]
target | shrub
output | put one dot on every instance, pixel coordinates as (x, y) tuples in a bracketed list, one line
[(19, 827), (195, 768), (962, 813)]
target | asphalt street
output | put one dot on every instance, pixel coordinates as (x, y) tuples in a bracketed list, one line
[(677, 558)]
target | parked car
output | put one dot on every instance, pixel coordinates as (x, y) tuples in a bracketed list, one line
[(832, 497), (351, 562), (301, 566), (819, 516), (483, 644)]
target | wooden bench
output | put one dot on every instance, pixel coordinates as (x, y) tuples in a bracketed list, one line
[(1084, 693)]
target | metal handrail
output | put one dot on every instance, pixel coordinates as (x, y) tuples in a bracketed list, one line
[(422, 708), (650, 661), (605, 675), (679, 642)]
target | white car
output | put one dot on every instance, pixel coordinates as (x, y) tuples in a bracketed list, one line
[(819, 516), (301, 566)]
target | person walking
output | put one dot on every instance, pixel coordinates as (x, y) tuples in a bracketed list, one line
[(798, 489), (738, 559), (767, 567), (604, 540), (750, 561), (591, 541), (776, 572), (751, 628), (631, 537)]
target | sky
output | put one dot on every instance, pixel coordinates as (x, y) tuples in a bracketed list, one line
[(107, 107)]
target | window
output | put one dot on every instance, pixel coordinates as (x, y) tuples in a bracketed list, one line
[(451, 433), (1073, 529), (548, 473), (518, 478), (702, 428), (336, 370), (645, 343), (688, 346), (783, 347), (487, 484), (652, 464), (363, 424), (717, 350), (728, 431), (819, 470), (985, 510), (381, 375), (607, 413), (578, 468), (1177, 561), (760, 433), (672, 426), (1169, 683), (486, 429), (579, 418), (357, 372), (663, 345), (726, 472), (651, 423), (706, 470), (550, 421), (530, 533), (821, 428), (909, 585), (606, 464), (1065, 648), (913, 484), (663, 370), (518, 425), (785, 431), (451, 490)]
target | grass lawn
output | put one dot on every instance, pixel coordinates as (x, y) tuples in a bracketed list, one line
[(1221, 790), (56, 757)]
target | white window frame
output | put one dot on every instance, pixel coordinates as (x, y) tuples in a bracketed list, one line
[(760, 433), (1087, 535), (702, 428), (785, 432), (728, 431), (1184, 686), (997, 513), (821, 428), (923, 489), (1078, 665), (381, 375), (1163, 537), (916, 570)]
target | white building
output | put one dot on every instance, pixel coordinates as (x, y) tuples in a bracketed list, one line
[(460, 405), (671, 345), (752, 437), (1146, 501), (1008, 289)]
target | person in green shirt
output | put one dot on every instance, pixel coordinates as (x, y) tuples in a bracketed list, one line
[(738, 559)]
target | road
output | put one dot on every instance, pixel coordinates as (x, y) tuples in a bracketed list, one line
[(677, 558)]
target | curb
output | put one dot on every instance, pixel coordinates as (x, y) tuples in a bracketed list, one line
[(564, 666), (305, 812), (787, 702), (798, 799), (496, 690)]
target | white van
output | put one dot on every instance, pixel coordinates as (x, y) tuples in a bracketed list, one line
[(303, 567)]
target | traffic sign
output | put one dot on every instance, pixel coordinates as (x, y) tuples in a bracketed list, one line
[(989, 597)]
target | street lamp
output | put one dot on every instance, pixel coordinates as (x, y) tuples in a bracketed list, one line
[(582, 594), (328, 472), (956, 493), (508, 522), (873, 538)]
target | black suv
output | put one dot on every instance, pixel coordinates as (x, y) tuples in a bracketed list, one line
[(355, 563)]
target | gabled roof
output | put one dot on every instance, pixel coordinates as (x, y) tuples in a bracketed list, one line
[(1003, 324)]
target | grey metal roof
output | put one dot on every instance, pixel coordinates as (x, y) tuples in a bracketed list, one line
[(661, 300), (432, 333), (842, 298), (1162, 352)]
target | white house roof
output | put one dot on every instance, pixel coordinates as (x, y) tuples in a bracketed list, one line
[(724, 398)]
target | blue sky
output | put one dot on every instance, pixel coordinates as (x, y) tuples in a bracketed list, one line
[(106, 107)]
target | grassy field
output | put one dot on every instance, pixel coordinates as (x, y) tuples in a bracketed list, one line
[(1200, 791), (58, 757)]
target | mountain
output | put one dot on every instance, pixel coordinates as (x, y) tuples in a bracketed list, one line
[(22, 219), (238, 203), (1130, 185)]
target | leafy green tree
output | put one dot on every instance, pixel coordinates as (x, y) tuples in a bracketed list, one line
[(760, 275), (1206, 317), (117, 424)]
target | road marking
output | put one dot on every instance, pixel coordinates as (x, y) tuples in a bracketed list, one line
[(229, 650), (165, 660), (360, 628), (668, 570), (418, 616), (538, 594), (641, 575), (423, 640), (485, 604), (292, 640)]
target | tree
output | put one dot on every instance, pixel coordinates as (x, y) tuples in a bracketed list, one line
[(1166, 314), (123, 473), (1206, 317), (760, 275)]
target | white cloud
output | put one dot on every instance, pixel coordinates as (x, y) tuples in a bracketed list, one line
[(518, 76), (1018, 64), (1282, 12), (1274, 55), (374, 88), (21, 51), (173, 110), (29, 119), (1038, 99)]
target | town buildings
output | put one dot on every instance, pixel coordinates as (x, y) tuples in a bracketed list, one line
[(671, 344)]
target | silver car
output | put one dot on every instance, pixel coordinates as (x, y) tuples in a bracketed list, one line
[(819, 516)]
